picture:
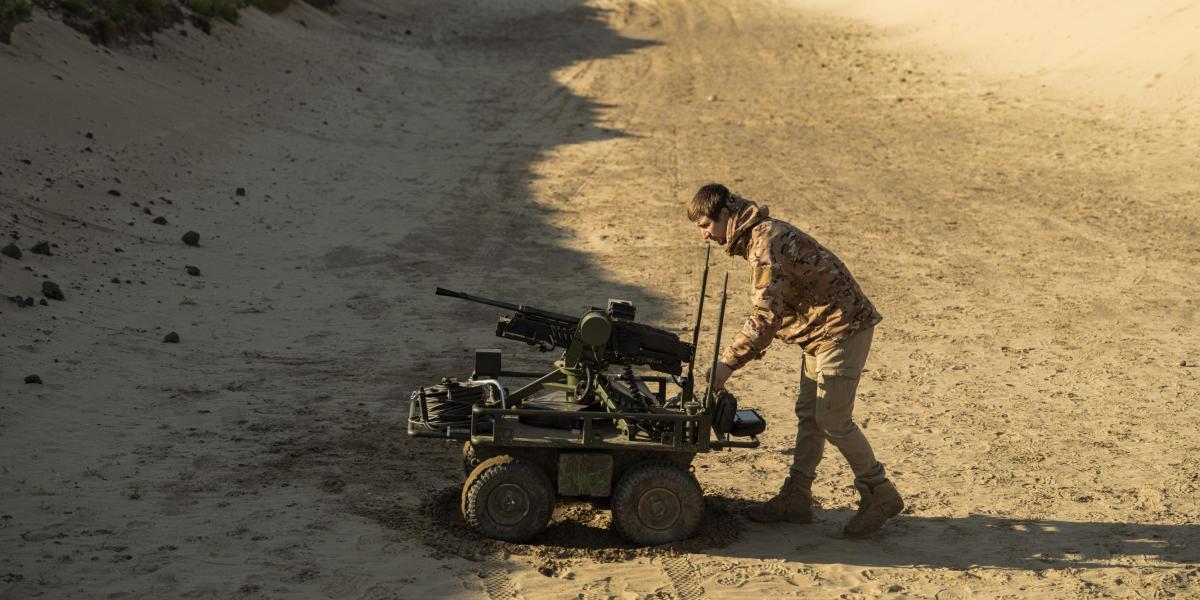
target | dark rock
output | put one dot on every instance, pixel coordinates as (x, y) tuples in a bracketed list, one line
[(29, 301), (52, 291), (11, 251), (171, 338), (193, 271), (33, 379), (114, 193), (146, 210), (240, 191), (42, 247), (89, 136), (43, 302), (191, 238), (115, 280), (159, 221)]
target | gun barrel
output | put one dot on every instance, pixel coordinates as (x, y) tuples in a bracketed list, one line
[(476, 299), (529, 310)]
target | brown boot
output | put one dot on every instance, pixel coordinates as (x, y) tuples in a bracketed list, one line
[(793, 504), (878, 505)]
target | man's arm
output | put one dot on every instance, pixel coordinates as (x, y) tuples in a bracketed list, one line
[(765, 320)]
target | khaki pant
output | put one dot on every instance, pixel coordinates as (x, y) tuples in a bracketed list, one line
[(825, 405)]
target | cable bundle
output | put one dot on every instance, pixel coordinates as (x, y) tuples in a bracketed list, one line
[(448, 404)]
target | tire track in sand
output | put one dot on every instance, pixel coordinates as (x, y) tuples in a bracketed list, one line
[(679, 570), (496, 582)]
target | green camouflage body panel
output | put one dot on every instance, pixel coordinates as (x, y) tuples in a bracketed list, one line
[(585, 474), (802, 293)]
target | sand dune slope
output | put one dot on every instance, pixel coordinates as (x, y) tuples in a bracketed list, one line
[(1032, 389)]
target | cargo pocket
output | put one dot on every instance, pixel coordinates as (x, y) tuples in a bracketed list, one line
[(835, 404)]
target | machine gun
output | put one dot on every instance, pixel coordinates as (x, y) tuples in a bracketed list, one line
[(600, 336)]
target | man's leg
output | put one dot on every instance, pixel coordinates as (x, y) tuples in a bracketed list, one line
[(794, 501), (810, 440), (838, 372)]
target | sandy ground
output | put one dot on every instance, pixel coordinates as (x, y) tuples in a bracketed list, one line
[(1033, 250)]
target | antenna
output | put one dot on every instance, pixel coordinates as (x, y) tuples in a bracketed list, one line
[(708, 396), (691, 394)]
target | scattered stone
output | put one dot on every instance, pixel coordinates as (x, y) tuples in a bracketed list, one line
[(43, 302), (42, 248), (171, 338), (29, 301), (713, 98), (240, 191), (192, 270), (115, 280), (191, 238), (33, 379), (51, 291), (1183, 363), (89, 136), (114, 193), (146, 210), (159, 221), (11, 251)]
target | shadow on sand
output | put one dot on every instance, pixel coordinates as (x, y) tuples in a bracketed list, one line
[(974, 541)]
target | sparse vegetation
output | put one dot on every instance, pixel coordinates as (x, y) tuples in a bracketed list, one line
[(13, 12), (269, 6), (117, 22), (226, 10), (111, 21)]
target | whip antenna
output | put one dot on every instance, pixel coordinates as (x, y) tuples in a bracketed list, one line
[(691, 394), (708, 396)]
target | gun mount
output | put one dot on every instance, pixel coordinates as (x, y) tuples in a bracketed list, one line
[(600, 337)]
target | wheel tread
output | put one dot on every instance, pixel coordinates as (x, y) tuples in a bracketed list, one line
[(624, 501), (507, 467)]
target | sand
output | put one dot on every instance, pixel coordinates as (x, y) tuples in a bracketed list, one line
[(1032, 388)]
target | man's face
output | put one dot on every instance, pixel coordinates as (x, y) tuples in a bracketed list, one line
[(714, 230)]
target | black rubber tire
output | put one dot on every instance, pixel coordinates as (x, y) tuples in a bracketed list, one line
[(507, 499), (470, 458), (657, 504)]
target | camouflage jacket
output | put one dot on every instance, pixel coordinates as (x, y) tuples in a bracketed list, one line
[(802, 293)]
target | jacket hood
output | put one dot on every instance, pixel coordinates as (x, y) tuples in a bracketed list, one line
[(744, 215)]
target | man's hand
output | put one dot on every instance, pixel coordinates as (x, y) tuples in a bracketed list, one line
[(720, 374)]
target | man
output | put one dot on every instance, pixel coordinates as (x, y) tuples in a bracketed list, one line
[(803, 295)]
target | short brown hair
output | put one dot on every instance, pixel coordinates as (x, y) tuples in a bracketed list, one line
[(708, 202)]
